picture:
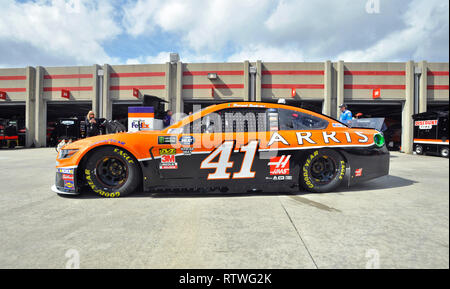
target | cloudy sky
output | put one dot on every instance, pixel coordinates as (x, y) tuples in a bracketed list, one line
[(84, 32)]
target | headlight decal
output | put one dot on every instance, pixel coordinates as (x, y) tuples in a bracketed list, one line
[(64, 154)]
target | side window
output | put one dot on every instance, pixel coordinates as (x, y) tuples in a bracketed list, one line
[(230, 120), (244, 119), (295, 120)]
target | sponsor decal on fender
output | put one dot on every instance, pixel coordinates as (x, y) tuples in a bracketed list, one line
[(280, 178), (65, 171), (167, 139), (358, 172), (187, 140), (67, 177), (167, 151), (279, 165), (168, 160), (187, 150), (69, 185), (306, 139)]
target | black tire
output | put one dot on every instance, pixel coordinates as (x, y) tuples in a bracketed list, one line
[(444, 152), (322, 171), (419, 150), (12, 144), (112, 172)]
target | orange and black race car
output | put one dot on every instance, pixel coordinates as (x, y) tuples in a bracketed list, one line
[(239, 146)]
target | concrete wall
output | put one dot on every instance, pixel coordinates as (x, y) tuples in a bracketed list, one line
[(13, 82), (278, 80), (437, 82), (360, 79), (147, 78), (331, 83), (231, 83)]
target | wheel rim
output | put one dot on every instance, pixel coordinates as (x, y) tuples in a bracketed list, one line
[(112, 172), (419, 149), (323, 170), (444, 152)]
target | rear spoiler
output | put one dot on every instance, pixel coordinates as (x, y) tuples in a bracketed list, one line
[(373, 123)]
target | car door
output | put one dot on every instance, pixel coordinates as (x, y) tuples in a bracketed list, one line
[(236, 160)]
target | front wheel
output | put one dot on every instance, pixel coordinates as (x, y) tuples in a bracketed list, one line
[(322, 171), (112, 172)]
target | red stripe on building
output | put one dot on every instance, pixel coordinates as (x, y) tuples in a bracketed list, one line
[(8, 137), (77, 88), (137, 74), (438, 73), (222, 72), (18, 89), (13, 77), (290, 86), (437, 87), (209, 86), (293, 72), (373, 86), (67, 76), (365, 72), (130, 87)]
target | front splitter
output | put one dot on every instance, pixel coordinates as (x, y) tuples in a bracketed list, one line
[(55, 189)]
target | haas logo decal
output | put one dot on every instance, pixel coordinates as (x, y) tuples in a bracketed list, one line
[(279, 165)]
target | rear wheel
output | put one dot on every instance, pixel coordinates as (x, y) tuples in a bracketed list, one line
[(444, 152), (419, 149), (112, 172), (322, 171)]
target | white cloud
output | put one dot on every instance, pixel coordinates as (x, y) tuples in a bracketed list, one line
[(422, 37), (50, 32), (268, 54), (313, 30), (56, 32), (164, 57)]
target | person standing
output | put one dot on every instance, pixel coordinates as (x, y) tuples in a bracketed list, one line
[(92, 127), (346, 115), (168, 118)]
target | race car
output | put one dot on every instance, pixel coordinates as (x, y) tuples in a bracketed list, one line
[(237, 146)]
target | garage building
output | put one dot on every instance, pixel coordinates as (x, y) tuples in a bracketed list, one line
[(37, 96)]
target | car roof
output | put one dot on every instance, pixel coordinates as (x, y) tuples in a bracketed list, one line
[(250, 105)]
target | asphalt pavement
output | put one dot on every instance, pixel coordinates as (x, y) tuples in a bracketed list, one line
[(397, 221)]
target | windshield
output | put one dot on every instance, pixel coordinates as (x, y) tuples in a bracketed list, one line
[(173, 127)]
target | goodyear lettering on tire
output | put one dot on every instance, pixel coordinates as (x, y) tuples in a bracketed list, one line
[(342, 166), (305, 169), (127, 157), (96, 189)]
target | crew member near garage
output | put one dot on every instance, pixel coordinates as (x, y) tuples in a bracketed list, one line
[(92, 127), (346, 115), (167, 118)]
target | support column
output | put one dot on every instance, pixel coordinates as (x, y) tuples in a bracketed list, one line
[(179, 104), (30, 106), (40, 136), (258, 90), (327, 91), (168, 95), (340, 87), (106, 101), (95, 90), (246, 95), (423, 91), (408, 110)]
